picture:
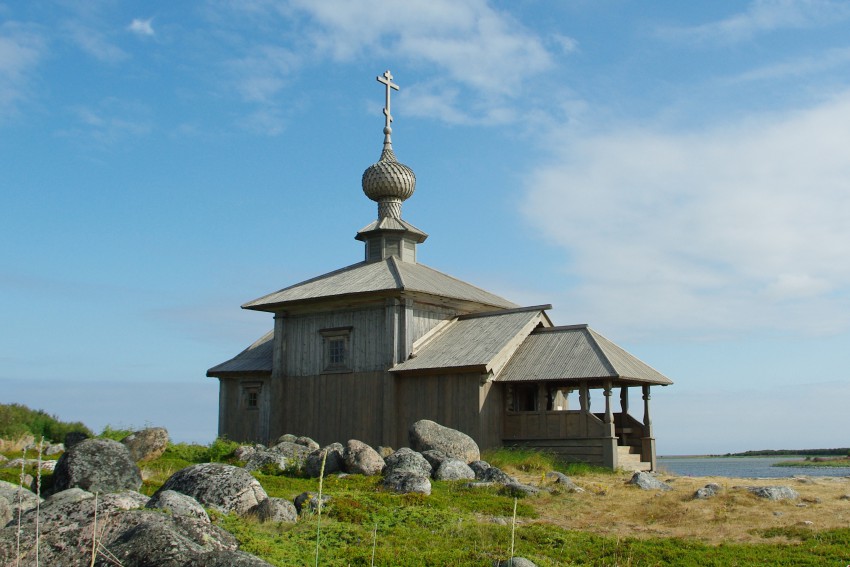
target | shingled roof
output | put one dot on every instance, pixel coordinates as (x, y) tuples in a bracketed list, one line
[(576, 352), (390, 274), (256, 359)]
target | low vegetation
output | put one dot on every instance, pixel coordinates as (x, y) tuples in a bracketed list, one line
[(816, 462), (611, 523), (17, 420)]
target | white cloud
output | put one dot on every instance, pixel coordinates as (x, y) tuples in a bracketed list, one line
[(21, 49), (469, 44), (740, 227), (766, 16), (142, 27), (109, 121)]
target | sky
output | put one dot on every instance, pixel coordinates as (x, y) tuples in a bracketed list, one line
[(674, 174)]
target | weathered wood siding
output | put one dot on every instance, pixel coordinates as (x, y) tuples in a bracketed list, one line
[(304, 348), (450, 400), (330, 407), (236, 421), (552, 424), (426, 317)]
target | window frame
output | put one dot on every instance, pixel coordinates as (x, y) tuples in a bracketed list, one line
[(330, 362)]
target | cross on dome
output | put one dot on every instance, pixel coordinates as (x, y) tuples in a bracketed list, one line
[(387, 79)]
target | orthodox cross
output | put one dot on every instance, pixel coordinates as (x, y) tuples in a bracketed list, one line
[(387, 79)]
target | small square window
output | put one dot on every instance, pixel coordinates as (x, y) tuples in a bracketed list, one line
[(337, 357), (251, 395)]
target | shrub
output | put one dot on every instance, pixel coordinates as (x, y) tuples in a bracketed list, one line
[(17, 420)]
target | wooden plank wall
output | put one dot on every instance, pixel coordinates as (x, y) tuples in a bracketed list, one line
[(367, 343), (330, 407), (450, 400), (236, 422), (552, 424), (426, 317), (588, 450)]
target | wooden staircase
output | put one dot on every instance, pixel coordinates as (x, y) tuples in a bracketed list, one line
[(628, 459)]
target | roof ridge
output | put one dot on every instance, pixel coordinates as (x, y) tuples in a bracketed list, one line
[(505, 311), (596, 334), (395, 272), (562, 328), (598, 348)]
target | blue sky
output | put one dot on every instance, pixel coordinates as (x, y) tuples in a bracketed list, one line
[(674, 174)]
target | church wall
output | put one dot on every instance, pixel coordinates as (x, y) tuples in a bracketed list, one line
[(243, 408), (426, 317), (451, 400), (330, 407), (305, 347)]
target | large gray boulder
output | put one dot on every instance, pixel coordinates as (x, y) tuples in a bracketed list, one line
[(646, 481), (294, 453), (407, 460), (135, 537), (147, 444), (516, 562), (405, 482), (223, 487), (264, 457), (15, 498), (454, 469), (435, 458), (425, 435), (708, 491), (276, 510), (309, 502), (360, 458), (494, 474), (97, 465), (774, 492), (178, 504), (334, 462), (563, 482)]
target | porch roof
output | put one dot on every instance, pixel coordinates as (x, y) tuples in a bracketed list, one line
[(476, 342), (576, 353), (256, 359)]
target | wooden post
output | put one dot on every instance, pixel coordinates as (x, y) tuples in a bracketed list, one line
[(624, 412), (609, 445), (647, 452)]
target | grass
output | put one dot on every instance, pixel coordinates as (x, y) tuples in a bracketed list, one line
[(816, 462), (611, 523)]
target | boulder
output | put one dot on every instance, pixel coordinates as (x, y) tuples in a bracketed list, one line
[(454, 469), (495, 474), (405, 482), (309, 502), (646, 481), (708, 491), (521, 490), (515, 562), (147, 444), (478, 467), (216, 485), (334, 462), (287, 437), (407, 460), (137, 537), (97, 465), (360, 458), (435, 458), (244, 452), (6, 512), (425, 435), (774, 492), (307, 442), (54, 449), (563, 481), (384, 451), (263, 457), (295, 453), (74, 437), (17, 498), (178, 504), (276, 510)]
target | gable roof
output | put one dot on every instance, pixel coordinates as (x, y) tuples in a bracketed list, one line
[(390, 274), (256, 359), (477, 342), (576, 352)]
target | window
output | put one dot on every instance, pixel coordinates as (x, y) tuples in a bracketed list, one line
[(251, 395), (336, 343)]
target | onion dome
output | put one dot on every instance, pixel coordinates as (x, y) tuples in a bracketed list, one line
[(388, 182)]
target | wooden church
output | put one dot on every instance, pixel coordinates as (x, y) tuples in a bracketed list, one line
[(365, 351)]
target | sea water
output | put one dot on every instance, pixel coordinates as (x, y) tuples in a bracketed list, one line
[(743, 467)]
